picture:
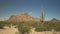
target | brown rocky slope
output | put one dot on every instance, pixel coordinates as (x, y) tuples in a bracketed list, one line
[(22, 17)]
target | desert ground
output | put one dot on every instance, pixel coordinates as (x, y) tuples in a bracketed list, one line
[(13, 30)]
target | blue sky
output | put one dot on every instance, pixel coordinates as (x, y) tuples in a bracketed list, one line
[(11, 7)]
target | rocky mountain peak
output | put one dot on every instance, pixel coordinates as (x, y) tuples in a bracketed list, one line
[(22, 17)]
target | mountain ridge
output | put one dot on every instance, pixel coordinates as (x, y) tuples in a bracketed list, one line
[(22, 17)]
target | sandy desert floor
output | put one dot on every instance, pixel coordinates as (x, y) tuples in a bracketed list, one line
[(13, 30)]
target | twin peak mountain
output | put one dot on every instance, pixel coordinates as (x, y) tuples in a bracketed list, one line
[(23, 17)]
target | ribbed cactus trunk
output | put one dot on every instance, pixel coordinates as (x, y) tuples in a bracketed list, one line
[(42, 15)]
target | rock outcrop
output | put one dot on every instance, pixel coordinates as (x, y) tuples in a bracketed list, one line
[(22, 17)]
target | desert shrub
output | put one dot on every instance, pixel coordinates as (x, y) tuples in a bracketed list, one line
[(23, 28)]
